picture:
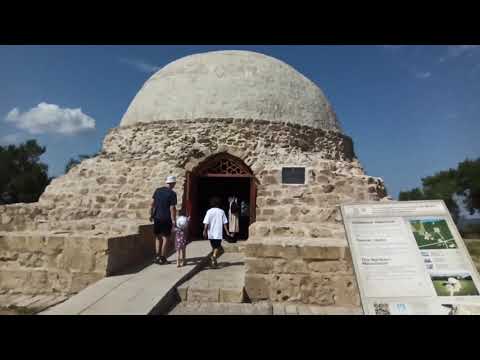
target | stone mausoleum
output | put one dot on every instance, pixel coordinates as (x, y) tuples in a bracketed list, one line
[(225, 123)]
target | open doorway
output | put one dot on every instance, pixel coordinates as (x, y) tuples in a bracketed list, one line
[(225, 187), (221, 175)]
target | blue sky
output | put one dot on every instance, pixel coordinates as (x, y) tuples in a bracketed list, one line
[(411, 110)]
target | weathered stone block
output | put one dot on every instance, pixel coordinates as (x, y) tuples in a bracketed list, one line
[(78, 259), (37, 281), (251, 249), (285, 287), (346, 291), (35, 243), (35, 260), (12, 242), (271, 202), (328, 266), (54, 244), (231, 295), (59, 280), (13, 279), (328, 188), (81, 280), (282, 266), (257, 286), (5, 219), (101, 263), (269, 180), (258, 265), (7, 256), (278, 251), (203, 294), (320, 233), (98, 244), (317, 290), (322, 252), (282, 230)]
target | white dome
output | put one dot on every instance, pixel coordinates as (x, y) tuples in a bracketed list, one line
[(231, 84)]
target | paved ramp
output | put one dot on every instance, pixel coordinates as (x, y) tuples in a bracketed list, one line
[(147, 291), (224, 284)]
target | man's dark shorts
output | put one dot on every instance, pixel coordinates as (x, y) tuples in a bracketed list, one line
[(161, 227), (216, 244)]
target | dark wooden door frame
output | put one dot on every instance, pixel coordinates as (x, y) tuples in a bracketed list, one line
[(241, 170)]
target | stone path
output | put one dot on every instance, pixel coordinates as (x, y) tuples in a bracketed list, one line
[(223, 284), (150, 290)]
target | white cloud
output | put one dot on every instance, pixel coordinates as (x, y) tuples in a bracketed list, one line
[(458, 50), (141, 65), (50, 118), (423, 75)]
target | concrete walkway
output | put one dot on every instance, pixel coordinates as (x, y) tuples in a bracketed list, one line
[(148, 291), (223, 284)]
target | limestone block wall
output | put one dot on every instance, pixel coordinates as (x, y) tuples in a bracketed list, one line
[(136, 159), (297, 249), (309, 272), (43, 263), (21, 217), (110, 195)]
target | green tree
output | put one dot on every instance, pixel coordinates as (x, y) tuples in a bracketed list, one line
[(23, 178), (469, 183), (465, 180), (75, 161), (414, 194)]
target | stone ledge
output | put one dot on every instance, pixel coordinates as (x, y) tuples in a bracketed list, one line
[(260, 308), (325, 249), (300, 309)]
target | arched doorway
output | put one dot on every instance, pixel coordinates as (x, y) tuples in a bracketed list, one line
[(221, 175)]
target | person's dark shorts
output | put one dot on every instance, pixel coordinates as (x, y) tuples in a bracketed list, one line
[(216, 244), (162, 227)]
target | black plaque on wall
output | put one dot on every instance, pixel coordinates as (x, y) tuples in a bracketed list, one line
[(293, 175)]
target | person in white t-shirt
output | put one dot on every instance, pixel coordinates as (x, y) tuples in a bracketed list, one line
[(214, 223)]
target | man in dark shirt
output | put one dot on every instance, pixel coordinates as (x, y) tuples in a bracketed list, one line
[(164, 216)]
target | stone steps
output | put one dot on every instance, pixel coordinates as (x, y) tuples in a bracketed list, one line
[(224, 284)]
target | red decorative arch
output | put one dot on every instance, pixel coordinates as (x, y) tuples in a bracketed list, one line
[(221, 165), (218, 165)]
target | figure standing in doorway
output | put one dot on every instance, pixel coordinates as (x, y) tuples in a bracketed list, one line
[(233, 216), (244, 218), (163, 214)]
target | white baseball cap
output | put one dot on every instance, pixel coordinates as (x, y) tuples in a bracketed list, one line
[(171, 180)]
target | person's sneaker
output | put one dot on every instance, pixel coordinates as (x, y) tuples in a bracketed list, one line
[(163, 260), (214, 262), (157, 260)]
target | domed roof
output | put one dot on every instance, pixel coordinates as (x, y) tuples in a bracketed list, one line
[(231, 84)]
